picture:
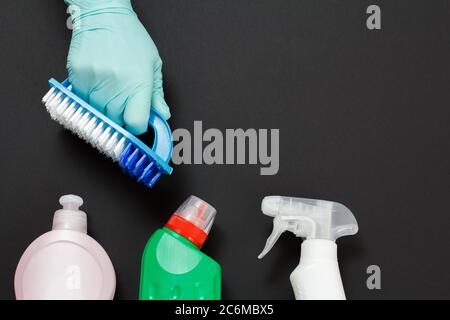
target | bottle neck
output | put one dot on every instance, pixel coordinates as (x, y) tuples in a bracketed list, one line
[(70, 220), (318, 250), (187, 229)]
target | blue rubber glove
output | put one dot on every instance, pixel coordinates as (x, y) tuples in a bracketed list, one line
[(114, 64)]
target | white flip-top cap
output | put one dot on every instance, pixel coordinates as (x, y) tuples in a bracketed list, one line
[(70, 217), (198, 212)]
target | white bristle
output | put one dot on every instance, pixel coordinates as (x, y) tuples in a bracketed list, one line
[(75, 118), (111, 144), (47, 104), (97, 132), (119, 148), (83, 123), (69, 112), (49, 98), (104, 138), (45, 99), (87, 130), (62, 107), (54, 101)]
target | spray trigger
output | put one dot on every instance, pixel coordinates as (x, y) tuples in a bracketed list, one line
[(280, 225)]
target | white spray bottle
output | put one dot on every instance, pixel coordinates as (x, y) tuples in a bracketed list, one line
[(321, 223)]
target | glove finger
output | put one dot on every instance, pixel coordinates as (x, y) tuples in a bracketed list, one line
[(80, 87), (160, 105), (137, 111), (79, 72), (115, 108), (158, 101), (98, 97), (102, 93)]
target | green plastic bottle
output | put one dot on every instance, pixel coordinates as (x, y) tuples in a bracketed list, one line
[(173, 267)]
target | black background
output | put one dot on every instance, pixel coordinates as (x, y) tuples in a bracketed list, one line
[(363, 118)]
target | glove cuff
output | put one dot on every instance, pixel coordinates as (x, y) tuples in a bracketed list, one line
[(89, 7)]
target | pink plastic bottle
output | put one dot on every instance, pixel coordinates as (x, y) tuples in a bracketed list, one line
[(65, 263)]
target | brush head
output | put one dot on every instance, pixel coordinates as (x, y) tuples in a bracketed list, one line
[(137, 159)]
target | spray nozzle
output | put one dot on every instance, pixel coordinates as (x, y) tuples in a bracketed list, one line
[(307, 218)]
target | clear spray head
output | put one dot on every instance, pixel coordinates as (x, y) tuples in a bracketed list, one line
[(70, 217), (308, 219)]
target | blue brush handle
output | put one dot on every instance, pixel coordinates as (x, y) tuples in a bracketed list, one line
[(162, 135)]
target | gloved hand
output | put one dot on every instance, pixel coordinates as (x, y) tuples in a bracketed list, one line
[(114, 64)]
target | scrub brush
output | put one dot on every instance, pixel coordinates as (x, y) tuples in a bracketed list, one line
[(146, 164)]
